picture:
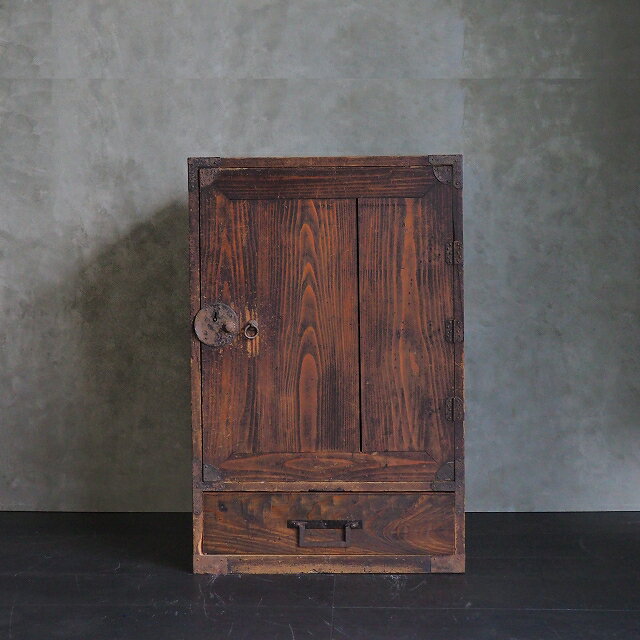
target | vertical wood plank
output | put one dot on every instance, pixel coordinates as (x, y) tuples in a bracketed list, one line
[(193, 169), (458, 311), (228, 266), (307, 392), (406, 297), (290, 266)]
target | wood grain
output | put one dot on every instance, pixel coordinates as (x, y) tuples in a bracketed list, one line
[(318, 182), (287, 484), (406, 297), (311, 161), (242, 522), (307, 308), (292, 564), (310, 443), (330, 466), (458, 311), (290, 266), (196, 370)]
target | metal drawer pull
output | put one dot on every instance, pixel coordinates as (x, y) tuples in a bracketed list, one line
[(303, 525)]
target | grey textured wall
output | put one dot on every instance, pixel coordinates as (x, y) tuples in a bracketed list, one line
[(102, 102)]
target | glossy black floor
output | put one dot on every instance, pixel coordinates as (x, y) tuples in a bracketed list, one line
[(113, 576)]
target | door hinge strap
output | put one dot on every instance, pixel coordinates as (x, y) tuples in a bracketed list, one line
[(454, 331), (454, 409), (453, 252)]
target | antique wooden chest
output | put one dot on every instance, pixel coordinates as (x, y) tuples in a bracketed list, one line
[(327, 364)]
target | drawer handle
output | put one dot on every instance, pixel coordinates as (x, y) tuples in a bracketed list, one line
[(303, 525)]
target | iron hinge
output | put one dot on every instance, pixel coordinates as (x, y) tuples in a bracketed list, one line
[(453, 252), (454, 409), (454, 331)]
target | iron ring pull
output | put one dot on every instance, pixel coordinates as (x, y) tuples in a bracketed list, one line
[(304, 525), (251, 330)]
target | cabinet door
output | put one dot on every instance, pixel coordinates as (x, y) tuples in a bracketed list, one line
[(336, 369), (406, 301)]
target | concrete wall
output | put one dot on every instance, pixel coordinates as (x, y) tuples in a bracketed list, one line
[(102, 102)]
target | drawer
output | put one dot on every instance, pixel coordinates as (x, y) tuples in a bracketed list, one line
[(328, 523)]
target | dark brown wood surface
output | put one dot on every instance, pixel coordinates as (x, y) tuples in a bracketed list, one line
[(196, 365), (312, 161), (326, 466), (406, 297), (345, 386), (318, 182), (458, 310), (289, 266), (294, 564), (412, 523)]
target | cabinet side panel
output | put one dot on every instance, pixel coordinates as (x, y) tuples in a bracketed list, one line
[(194, 304), (406, 299), (458, 302)]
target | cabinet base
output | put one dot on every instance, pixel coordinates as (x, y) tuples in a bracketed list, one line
[(230, 564)]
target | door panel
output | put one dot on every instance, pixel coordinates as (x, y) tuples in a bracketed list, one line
[(307, 301), (348, 375), (291, 267), (405, 300)]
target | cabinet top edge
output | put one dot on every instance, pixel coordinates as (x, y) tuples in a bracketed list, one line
[(324, 161)]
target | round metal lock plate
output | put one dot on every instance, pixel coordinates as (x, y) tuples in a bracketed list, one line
[(216, 325)]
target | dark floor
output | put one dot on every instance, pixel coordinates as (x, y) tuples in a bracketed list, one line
[(111, 576)]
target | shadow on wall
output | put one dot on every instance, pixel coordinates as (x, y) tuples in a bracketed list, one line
[(131, 303)]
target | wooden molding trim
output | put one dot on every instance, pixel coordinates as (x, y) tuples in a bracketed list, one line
[(318, 182), (283, 564), (330, 466)]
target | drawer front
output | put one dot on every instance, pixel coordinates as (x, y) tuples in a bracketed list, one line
[(328, 523)]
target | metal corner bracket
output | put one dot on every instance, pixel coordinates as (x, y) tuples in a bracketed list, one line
[(447, 169)]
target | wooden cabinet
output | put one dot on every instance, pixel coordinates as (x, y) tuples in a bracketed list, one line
[(327, 364)]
